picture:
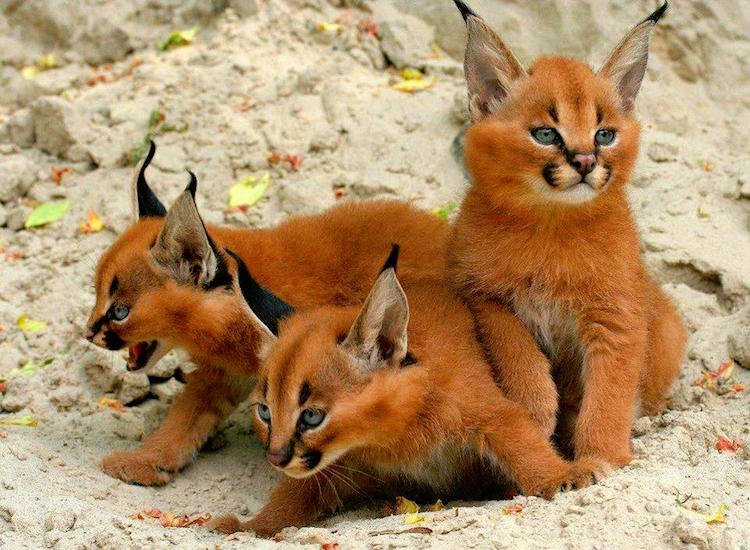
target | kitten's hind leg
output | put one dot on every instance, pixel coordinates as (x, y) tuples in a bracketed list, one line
[(666, 345), (210, 395)]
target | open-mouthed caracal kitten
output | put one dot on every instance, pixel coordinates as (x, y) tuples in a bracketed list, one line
[(166, 283), (545, 249), (392, 397)]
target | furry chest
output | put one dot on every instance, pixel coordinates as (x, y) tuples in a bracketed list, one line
[(554, 324)]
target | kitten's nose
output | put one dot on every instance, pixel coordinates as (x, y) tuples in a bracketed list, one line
[(280, 457), (584, 162), (89, 334)]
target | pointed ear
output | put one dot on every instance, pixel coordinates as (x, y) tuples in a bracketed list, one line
[(267, 308), (489, 66), (378, 335), (145, 201), (626, 65), (183, 246)]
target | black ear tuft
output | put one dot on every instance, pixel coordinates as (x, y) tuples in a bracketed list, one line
[(465, 10), (392, 260), (192, 186), (148, 202), (657, 14), (268, 307)]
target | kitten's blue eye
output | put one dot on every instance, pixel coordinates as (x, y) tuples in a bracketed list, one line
[(312, 417), (120, 312), (264, 412), (604, 136), (546, 136)]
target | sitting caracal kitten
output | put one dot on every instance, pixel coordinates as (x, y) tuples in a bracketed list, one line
[(166, 283), (545, 249), (396, 397)]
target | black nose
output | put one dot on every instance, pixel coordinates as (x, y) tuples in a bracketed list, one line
[(280, 457)]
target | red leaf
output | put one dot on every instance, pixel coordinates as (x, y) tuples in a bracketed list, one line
[(724, 444)]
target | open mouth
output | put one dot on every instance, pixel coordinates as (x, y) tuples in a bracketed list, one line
[(140, 354)]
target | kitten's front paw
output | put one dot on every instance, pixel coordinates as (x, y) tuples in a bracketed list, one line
[(138, 467), (575, 475)]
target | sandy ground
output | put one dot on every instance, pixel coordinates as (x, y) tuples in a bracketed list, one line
[(260, 78)]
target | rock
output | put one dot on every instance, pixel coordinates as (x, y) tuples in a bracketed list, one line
[(167, 391), (17, 174), (62, 518), (54, 121), (171, 158), (662, 152), (691, 530), (3, 216), (304, 196), (18, 394), (460, 108), (17, 217), (739, 340), (21, 128), (66, 397), (132, 387), (244, 8), (641, 426), (405, 40), (166, 366), (104, 41)]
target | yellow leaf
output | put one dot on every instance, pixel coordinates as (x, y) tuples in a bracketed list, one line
[(27, 370), (27, 420), (406, 506), (30, 73), (435, 507), (444, 211), (411, 74), (46, 62), (93, 223), (413, 86), (414, 518), (718, 516), (322, 26), (106, 402), (179, 38), (248, 191), (29, 325)]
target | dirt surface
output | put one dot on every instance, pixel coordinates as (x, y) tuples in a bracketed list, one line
[(260, 77)]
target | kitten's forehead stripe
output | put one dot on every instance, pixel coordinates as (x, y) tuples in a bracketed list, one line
[(286, 361), (553, 113), (304, 393)]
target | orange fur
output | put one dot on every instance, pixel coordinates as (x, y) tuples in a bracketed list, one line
[(439, 427), (560, 257), (307, 261)]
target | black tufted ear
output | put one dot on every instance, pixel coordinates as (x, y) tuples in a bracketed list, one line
[(267, 307), (146, 202), (378, 336)]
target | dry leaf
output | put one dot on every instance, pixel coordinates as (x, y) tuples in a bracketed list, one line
[(171, 520), (414, 518), (329, 546), (27, 370), (30, 73), (413, 86), (513, 509), (718, 516), (406, 506), (26, 420), (719, 381), (435, 507), (445, 211), (107, 402), (724, 444), (3, 387), (29, 325), (322, 26), (58, 173), (92, 224)]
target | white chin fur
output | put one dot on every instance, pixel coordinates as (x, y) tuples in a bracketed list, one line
[(576, 194)]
